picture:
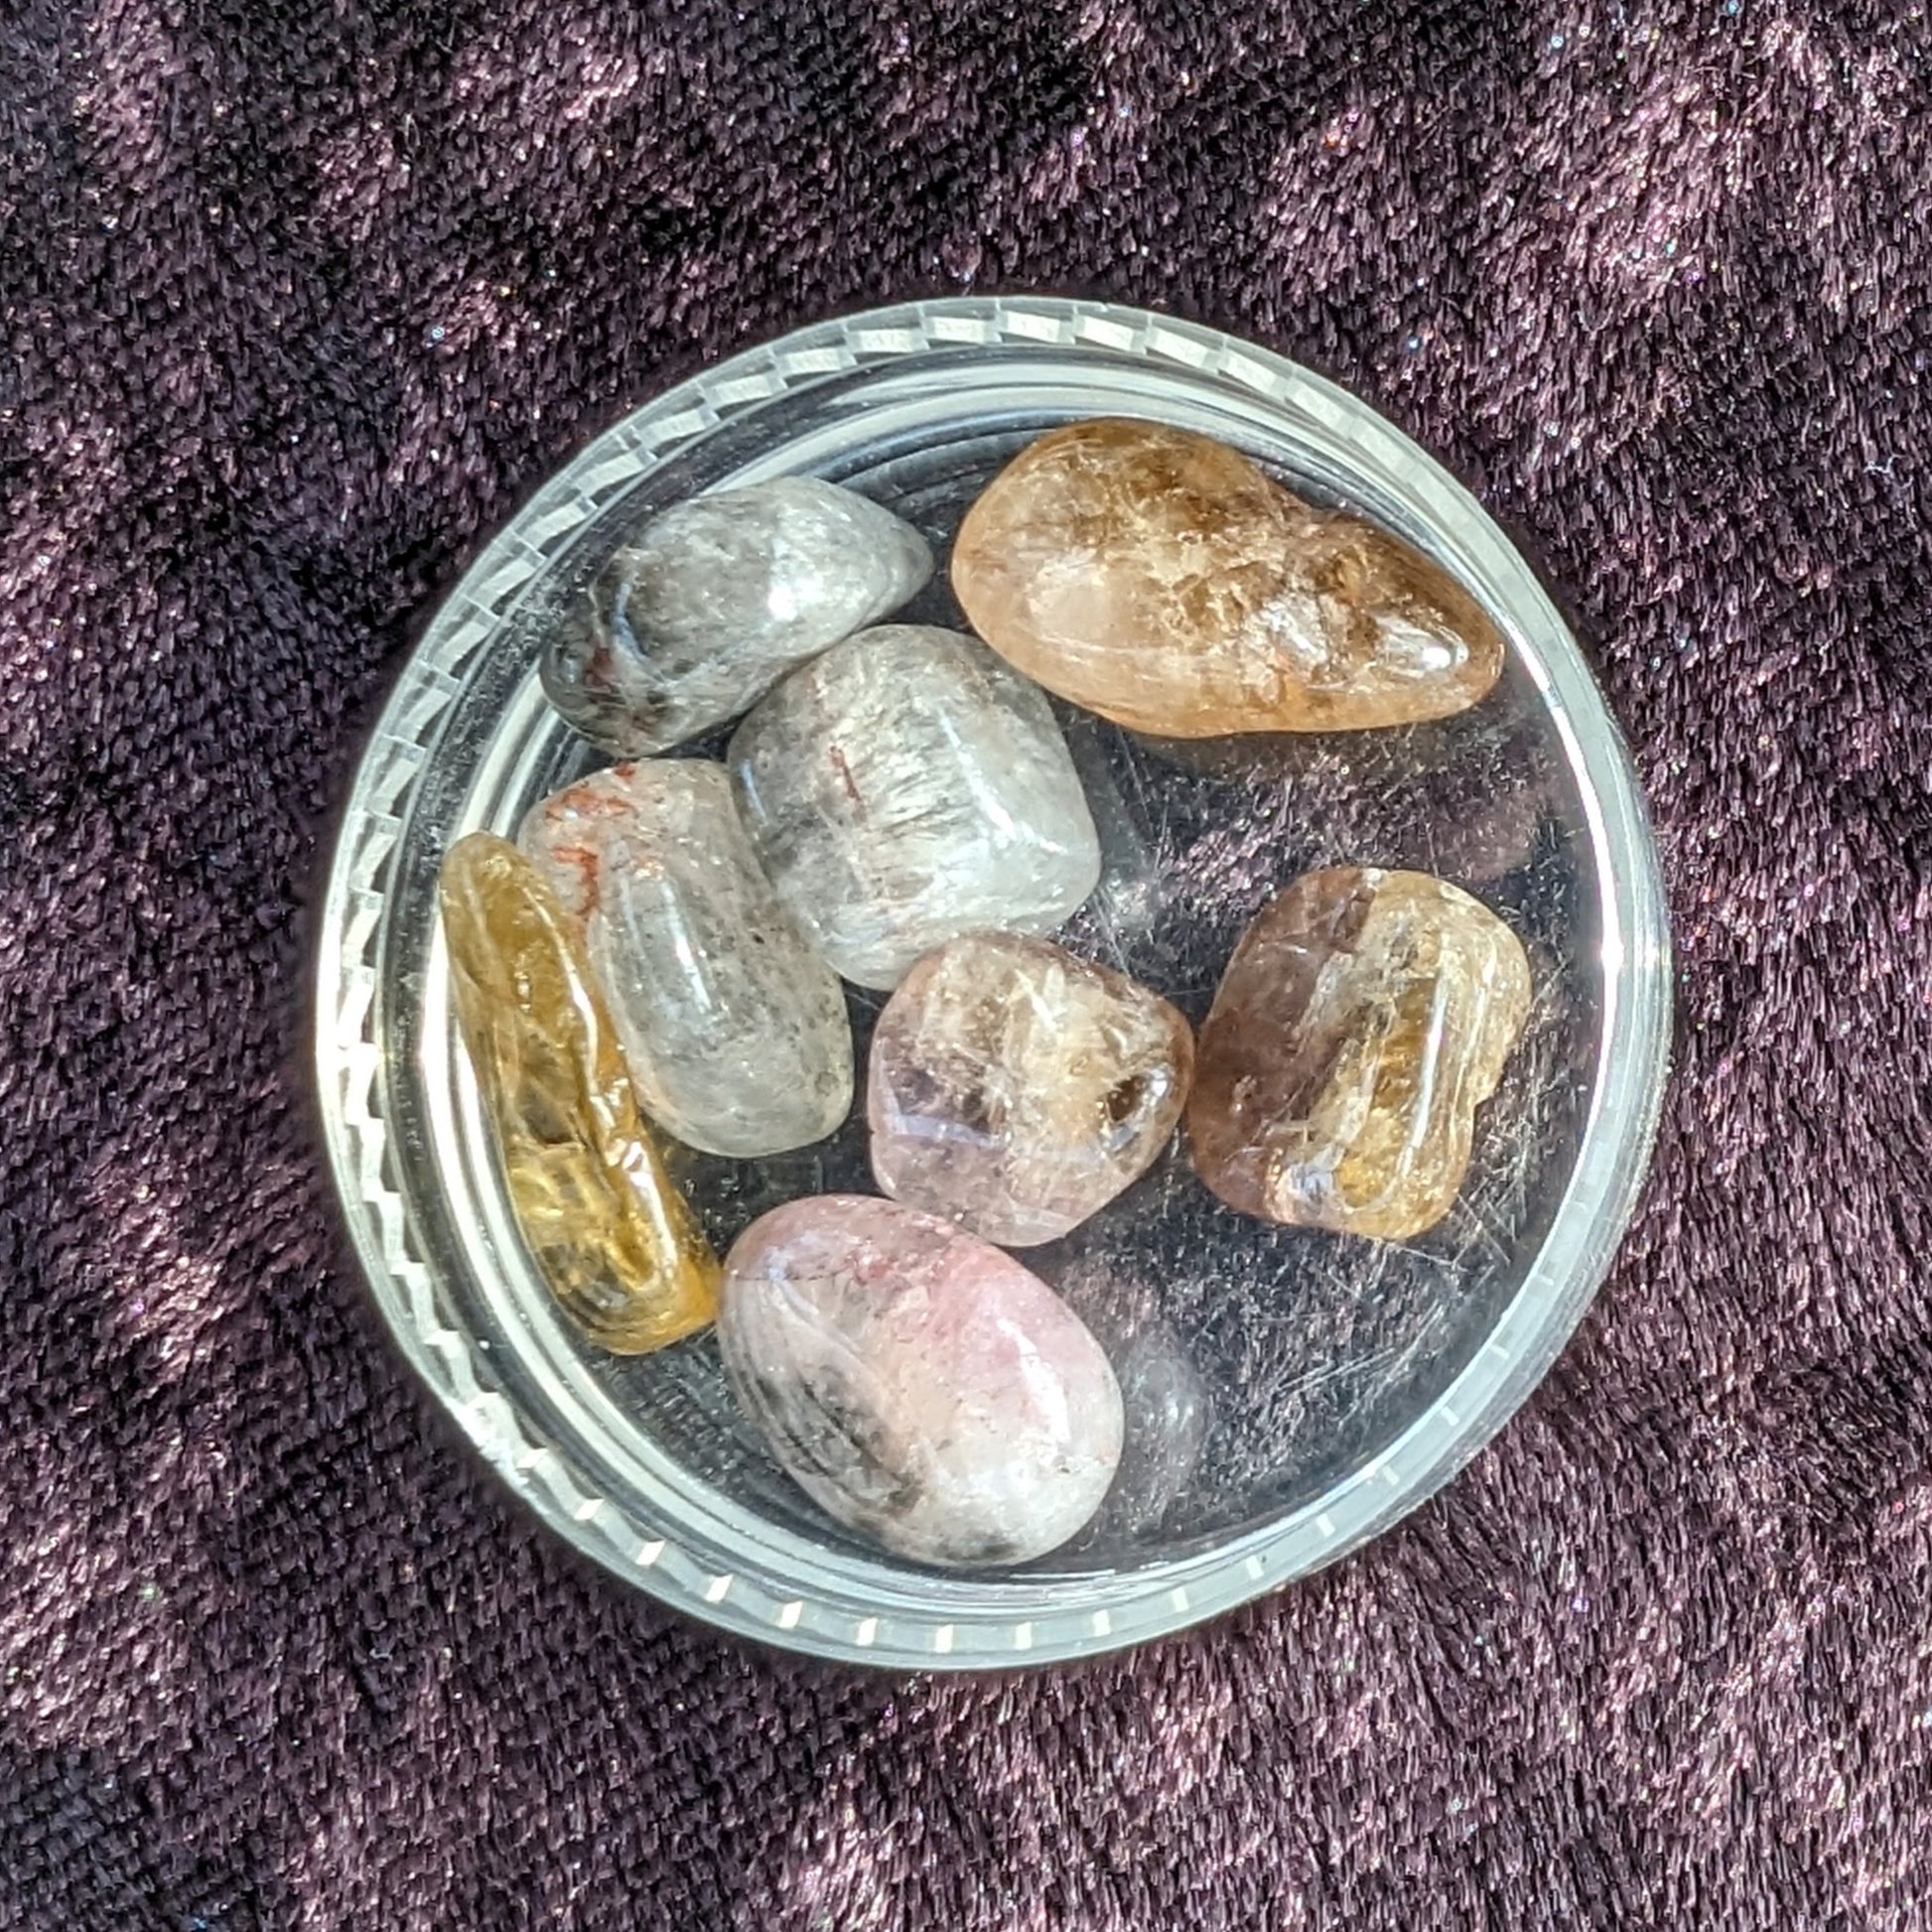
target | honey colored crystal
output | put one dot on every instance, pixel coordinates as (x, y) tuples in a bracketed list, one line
[(611, 1235), (1163, 580), (1364, 1017)]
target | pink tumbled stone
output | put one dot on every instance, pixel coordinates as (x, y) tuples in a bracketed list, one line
[(920, 1385), (1016, 1089)]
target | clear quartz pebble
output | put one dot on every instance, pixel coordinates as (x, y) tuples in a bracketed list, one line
[(906, 787), (922, 1387), (734, 1029), (1164, 1396), (716, 599), (1017, 1088)]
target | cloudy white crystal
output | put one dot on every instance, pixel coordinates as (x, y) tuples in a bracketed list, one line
[(734, 1029), (716, 599), (906, 787)]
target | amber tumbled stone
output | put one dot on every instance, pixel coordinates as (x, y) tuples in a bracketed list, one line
[(1364, 1017), (1164, 581), (612, 1237)]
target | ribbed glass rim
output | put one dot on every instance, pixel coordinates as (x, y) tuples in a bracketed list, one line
[(705, 1555)]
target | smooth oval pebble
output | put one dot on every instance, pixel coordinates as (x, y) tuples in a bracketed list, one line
[(921, 1386), (1364, 1017), (734, 1029), (1164, 581), (1164, 1396), (716, 599)]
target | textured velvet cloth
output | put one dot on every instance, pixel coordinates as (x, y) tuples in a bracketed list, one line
[(296, 301)]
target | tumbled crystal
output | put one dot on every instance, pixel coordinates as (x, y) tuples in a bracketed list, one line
[(716, 599), (908, 786), (611, 1235), (1363, 1017), (734, 1029), (920, 1385), (1017, 1088), (1163, 580)]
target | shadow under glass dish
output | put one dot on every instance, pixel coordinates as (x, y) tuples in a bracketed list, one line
[(1323, 1383)]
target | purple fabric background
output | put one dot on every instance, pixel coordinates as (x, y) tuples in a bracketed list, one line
[(296, 303)]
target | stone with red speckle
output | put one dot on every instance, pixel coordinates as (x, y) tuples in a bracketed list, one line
[(906, 787), (734, 1029)]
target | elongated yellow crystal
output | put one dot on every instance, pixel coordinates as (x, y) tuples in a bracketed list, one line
[(611, 1235)]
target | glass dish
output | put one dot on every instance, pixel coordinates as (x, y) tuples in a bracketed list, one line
[(1330, 1384)]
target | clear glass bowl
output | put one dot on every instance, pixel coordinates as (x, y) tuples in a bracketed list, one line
[(1325, 1385)]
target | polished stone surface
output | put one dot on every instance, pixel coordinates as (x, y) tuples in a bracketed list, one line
[(920, 1385), (734, 1029), (1363, 1017), (612, 1236), (1015, 1088), (906, 787), (1163, 580), (716, 599)]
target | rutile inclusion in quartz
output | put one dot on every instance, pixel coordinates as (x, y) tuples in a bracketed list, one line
[(734, 1029), (918, 1384), (908, 786), (899, 806), (1364, 1017), (612, 1236), (1164, 581), (1017, 1088)]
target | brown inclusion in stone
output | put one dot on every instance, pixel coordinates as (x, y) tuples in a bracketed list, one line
[(1363, 1017), (1016, 1089)]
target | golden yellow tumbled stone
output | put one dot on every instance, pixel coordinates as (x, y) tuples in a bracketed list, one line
[(613, 1236), (1363, 1017), (1164, 581)]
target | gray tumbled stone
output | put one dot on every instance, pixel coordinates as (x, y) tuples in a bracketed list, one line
[(716, 599), (906, 787)]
